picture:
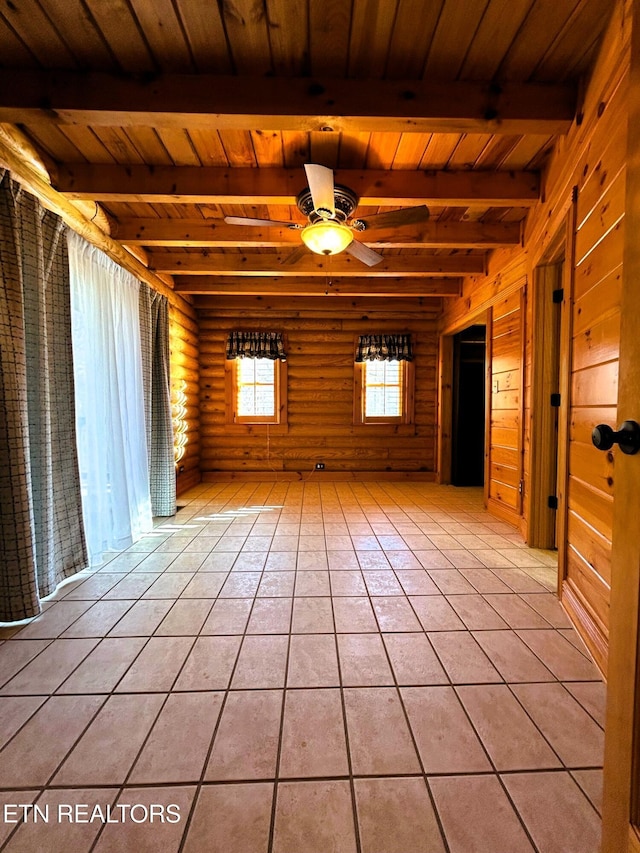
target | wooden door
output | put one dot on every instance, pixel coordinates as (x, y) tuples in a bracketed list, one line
[(621, 807)]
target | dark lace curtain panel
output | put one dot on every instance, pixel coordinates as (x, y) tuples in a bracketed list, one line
[(256, 345), (154, 341), (384, 348), (41, 533)]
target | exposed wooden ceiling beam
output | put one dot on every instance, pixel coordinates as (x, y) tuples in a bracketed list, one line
[(405, 266), (26, 172), (226, 311), (272, 103), (418, 311), (196, 233), (391, 288), (12, 139), (215, 233), (199, 184)]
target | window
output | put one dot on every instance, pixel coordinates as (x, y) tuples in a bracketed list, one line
[(383, 380), (256, 383), (384, 392), (382, 389), (256, 388)]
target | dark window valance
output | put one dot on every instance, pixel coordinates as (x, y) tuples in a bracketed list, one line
[(384, 348), (256, 345)]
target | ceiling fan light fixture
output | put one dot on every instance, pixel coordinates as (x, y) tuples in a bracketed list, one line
[(326, 237)]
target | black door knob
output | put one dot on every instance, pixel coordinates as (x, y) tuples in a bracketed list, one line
[(627, 437)]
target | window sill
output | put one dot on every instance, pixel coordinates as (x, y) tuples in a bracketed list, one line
[(387, 428), (259, 428)]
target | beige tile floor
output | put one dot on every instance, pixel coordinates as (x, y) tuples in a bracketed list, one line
[(305, 668)]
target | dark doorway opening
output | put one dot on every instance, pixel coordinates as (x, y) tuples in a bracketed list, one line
[(469, 391)]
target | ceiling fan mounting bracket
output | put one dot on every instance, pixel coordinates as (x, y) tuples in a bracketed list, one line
[(345, 201)]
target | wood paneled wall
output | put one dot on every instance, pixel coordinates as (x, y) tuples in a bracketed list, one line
[(584, 186), (594, 373), (185, 390), (320, 334), (500, 300), (505, 441)]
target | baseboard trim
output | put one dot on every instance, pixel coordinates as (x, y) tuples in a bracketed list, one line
[(504, 513), (316, 476), (187, 480), (590, 631)]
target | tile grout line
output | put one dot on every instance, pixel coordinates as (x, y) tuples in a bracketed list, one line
[(497, 774), (45, 786), (274, 800), (480, 741), (533, 771), (201, 782), (145, 740), (306, 504), (352, 788), (436, 813)]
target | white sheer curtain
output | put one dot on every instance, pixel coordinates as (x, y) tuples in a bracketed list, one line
[(110, 419)]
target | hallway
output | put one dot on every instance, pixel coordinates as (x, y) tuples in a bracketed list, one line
[(371, 667)]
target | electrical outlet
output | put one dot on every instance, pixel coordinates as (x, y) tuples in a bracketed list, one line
[(319, 466)]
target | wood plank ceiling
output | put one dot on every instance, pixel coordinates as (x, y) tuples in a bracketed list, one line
[(172, 114)]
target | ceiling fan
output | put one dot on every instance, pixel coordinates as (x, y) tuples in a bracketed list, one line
[(328, 207)]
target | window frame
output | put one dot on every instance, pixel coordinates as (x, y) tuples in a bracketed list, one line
[(278, 420), (256, 418), (373, 419), (407, 384)]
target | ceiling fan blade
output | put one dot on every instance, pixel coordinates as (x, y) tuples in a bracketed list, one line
[(294, 256), (363, 253), (320, 180), (395, 218), (265, 223)]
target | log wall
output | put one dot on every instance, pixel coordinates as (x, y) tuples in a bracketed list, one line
[(583, 190), (185, 391), (321, 335)]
